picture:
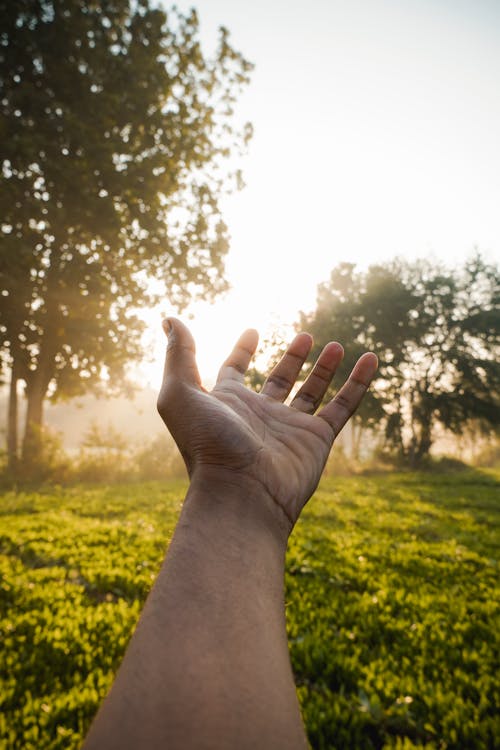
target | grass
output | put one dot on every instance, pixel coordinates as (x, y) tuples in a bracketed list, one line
[(392, 607)]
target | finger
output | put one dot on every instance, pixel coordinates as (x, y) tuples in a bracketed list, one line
[(180, 360), (282, 378), (310, 395), (236, 365), (347, 400)]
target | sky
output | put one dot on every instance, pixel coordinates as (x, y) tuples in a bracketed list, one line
[(377, 129)]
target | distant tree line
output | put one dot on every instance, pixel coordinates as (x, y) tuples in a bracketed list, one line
[(436, 333)]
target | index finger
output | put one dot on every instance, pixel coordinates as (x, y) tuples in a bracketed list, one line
[(236, 365), (341, 408)]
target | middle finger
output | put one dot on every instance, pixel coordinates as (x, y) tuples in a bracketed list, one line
[(282, 378)]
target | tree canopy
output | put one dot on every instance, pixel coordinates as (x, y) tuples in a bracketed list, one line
[(114, 131), (436, 332)]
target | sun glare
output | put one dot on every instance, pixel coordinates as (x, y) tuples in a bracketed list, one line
[(215, 327), (388, 147)]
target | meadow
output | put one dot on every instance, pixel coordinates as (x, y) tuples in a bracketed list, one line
[(392, 601)]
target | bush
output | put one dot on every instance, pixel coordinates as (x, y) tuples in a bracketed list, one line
[(340, 464), (48, 461), (489, 455), (104, 456), (160, 459)]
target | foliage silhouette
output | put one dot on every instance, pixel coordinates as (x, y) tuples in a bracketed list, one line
[(115, 128), (436, 333)]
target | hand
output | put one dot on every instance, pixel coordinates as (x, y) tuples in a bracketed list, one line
[(237, 435)]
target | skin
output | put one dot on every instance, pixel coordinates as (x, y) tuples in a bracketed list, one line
[(208, 665)]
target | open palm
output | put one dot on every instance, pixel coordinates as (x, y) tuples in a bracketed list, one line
[(252, 435)]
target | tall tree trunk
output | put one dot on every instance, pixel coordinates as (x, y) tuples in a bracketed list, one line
[(357, 433), (12, 421), (34, 421), (412, 446), (425, 441), (37, 386)]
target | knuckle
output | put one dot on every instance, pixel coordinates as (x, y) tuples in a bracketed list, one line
[(344, 402), (280, 381), (322, 373), (235, 365), (309, 398), (178, 348)]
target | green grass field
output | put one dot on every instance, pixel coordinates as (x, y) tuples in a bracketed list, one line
[(392, 606)]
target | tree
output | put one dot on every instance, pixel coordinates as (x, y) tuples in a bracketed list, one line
[(436, 332), (339, 316), (114, 128)]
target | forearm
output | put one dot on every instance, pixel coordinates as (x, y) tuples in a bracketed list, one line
[(208, 666)]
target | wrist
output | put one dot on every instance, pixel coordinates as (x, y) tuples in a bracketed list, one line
[(234, 497)]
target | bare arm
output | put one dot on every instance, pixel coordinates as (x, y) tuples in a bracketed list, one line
[(208, 666)]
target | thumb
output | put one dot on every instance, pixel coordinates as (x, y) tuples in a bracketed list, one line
[(180, 361)]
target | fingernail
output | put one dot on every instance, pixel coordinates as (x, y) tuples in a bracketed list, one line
[(167, 326)]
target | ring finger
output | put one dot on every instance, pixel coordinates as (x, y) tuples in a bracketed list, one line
[(310, 395)]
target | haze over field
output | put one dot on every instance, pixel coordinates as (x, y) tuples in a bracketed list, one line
[(376, 135)]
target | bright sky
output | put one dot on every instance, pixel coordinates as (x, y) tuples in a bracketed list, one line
[(377, 129)]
